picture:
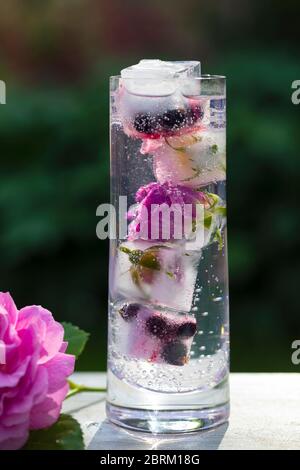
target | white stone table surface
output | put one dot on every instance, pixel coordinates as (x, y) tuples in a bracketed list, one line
[(265, 414)]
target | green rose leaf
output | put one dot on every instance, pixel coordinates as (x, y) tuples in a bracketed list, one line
[(207, 219), (213, 199), (135, 276), (149, 260), (214, 149), (124, 249), (76, 338), (170, 275), (135, 256), (65, 434), (218, 238), (221, 210)]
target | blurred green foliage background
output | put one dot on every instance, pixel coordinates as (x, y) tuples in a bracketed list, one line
[(56, 57)]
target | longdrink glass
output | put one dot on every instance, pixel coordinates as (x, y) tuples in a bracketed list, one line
[(168, 345)]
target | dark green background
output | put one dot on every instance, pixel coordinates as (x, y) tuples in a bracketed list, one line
[(56, 58)]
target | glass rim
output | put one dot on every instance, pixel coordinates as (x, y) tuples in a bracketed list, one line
[(202, 77)]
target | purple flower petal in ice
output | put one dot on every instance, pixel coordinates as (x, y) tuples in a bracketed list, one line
[(149, 198)]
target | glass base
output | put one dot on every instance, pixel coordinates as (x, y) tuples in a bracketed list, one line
[(167, 422)]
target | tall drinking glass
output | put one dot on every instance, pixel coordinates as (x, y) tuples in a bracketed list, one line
[(168, 345)]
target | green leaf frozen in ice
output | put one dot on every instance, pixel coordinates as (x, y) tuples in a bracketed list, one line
[(149, 260)]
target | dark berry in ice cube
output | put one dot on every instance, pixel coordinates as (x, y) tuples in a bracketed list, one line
[(144, 123), (193, 114), (129, 311), (175, 353), (167, 123), (157, 326), (172, 119), (187, 329)]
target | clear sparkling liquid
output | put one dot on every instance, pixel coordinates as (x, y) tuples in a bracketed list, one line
[(203, 295)]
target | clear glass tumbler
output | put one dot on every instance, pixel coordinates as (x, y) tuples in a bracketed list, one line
[(168, 344)]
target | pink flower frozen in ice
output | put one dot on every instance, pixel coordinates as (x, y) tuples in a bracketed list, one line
[(33, 371), (151, 198)]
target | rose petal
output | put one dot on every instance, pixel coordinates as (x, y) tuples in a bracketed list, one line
[(52, 332), (7, 304), (46, 413)]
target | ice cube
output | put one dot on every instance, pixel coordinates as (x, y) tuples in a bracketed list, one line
[(150, 98), (155, 67), (172, 285), (193, 160), (155, 336)]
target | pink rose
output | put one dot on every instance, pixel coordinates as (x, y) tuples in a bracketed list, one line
[(33, 371), (152, 196)]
